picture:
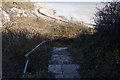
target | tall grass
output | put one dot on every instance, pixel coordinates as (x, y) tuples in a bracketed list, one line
[(14, 49), (17, 41), (97, 57), (23, 35)]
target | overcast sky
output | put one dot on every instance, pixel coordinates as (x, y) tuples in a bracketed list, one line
[(71, 0), (80, 12)]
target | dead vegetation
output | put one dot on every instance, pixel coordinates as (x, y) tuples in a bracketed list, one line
[(27, 32)]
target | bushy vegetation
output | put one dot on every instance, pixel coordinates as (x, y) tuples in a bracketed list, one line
[(99, 54), (18, 41), (108, 22), (24, 34)]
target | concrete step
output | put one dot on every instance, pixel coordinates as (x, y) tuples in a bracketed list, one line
[(64, 71), (61, 64), (60, 59)]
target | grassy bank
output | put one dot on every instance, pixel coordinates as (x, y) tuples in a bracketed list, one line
[(23, 35), (15, 46), (27, 32), (97, 52)]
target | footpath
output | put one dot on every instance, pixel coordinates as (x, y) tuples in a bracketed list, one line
[(61, 64)]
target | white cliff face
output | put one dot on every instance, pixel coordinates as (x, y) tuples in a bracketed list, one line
[(19, 12), (14, 11), (4, 17)]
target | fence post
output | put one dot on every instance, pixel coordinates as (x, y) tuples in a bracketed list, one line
[(25, 68)]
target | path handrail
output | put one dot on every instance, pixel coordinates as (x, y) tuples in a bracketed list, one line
[(35, 48), (27, 58)]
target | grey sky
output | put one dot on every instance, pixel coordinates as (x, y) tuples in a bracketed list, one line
[(81, 11), (71, 0)]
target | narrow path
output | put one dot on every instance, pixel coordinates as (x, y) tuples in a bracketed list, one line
[(61, 64), (51, 16)]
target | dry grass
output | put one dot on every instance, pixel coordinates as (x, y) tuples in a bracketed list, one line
[(27, 32), (23, 5)]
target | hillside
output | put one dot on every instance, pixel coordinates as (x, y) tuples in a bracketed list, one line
[(27, 24), (22, 4), (27, 14), (26, 29)]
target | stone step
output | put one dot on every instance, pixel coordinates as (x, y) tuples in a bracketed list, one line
[(60, 62), (60, 59), (55, 69), (65, 68), (64, 71), (60, 48), (74, 75), (61, 65), (70, 68)]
